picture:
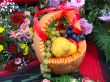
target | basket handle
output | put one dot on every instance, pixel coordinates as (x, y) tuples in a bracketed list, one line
[(62, 7)]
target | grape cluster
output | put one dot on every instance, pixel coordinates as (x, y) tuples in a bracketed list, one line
[(46, 54), (71, 34), (52, 33)]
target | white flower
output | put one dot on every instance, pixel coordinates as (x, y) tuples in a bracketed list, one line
[(87, 80), (6, 7), (76, 3), (27, 13), (45, 80), (16, 7), (10, 10), (74, 80)]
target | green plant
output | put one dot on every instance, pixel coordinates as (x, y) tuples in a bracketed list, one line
[(92, 11)]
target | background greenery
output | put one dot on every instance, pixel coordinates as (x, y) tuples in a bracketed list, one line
[(101, 32)]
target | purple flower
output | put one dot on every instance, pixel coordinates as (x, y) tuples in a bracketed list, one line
[(53, 3), (18, 61), (86, 26), (105, 17), (76, 3)]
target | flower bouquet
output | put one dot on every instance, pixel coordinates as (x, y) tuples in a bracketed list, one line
[(15, 36)]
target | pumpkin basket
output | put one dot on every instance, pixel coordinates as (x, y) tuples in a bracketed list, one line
[(60, 65)]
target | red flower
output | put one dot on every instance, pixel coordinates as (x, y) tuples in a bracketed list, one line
[(11, 66), (12, 48), (1, 38), (17, 18)]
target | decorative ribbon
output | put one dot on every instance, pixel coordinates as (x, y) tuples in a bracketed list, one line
[(38, 30), (62, 7)]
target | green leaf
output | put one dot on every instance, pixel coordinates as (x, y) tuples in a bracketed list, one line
[(103, 41)]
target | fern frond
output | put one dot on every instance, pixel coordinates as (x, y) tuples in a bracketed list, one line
[(103, 42)]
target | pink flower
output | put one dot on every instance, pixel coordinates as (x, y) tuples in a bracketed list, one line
[(24, 28), (86, 26), (76, 3), (36, 8), (20, 33), (13, 34), (27, 13), (2, 3), (45, 80), (18, 61), (27, 21)]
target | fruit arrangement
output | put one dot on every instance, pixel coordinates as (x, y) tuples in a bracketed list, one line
[(59, 48), (56, 46)]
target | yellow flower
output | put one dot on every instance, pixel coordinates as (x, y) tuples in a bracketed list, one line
[(30, 30), (56, 24), (1, 48), (26, 50), (1, 29), (22, 46)]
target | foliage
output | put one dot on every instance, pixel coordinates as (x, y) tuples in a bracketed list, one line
[(102, 38), (63, 78), (66, 78), (92, 11)]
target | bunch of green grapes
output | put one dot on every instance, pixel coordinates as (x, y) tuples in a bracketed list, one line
[(52, 33), (46, 55), (44, 66)]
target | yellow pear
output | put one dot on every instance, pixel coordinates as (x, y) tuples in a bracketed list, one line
[(73, 48), (62, 47)]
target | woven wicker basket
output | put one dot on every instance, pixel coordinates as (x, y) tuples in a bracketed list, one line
[(64, 64)]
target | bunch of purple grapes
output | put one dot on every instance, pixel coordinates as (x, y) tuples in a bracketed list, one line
[(71, 34)]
